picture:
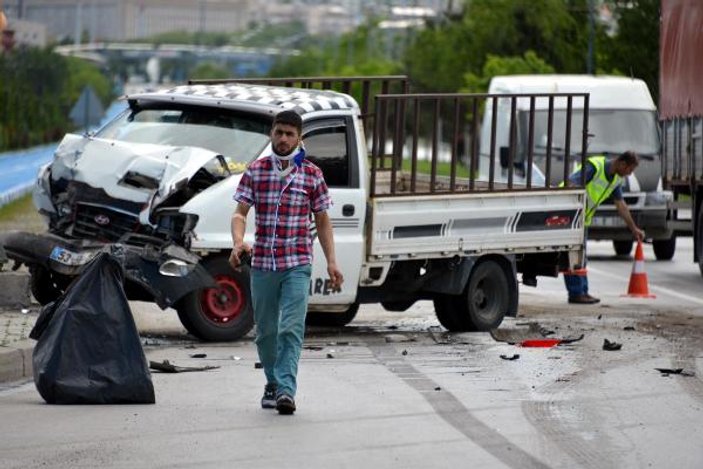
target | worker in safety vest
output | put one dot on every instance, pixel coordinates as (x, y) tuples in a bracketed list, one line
[(603, 178)]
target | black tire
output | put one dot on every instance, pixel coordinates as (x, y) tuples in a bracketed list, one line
[(664, 249), (325, 319), (444, 310), (483, 304), (397, 305), (219, 314), (45, 285), (623, 248)]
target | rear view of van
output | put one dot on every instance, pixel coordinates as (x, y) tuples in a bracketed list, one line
[(622, 116)]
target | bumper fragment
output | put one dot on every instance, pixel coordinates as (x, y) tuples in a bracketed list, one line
[(141, 263)]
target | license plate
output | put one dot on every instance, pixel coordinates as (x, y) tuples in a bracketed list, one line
[(66, 257), (608, 221)]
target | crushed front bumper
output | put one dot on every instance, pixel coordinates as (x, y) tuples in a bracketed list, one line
[(143, 264)]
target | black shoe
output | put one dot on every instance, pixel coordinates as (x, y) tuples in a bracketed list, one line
[(285, 404), (584, 300), (529, 280), (268, 401)]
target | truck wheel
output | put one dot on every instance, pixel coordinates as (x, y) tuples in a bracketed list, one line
[(45, 285), (622, 248), (664, 249), (482, 305), (444, 310), (317, 318), (397, 305), (223, 313)]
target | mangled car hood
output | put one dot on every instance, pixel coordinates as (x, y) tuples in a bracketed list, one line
[(136, 172)]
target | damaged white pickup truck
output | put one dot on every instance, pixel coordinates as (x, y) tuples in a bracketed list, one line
[(158, 181)]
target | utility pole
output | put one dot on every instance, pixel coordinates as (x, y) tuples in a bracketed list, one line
[(591, 37), (79, 25), (201, 21)]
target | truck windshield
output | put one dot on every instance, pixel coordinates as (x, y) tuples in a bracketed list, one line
[(238, 137), (612, 131)]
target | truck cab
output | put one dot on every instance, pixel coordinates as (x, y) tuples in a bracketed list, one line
[(622, 116)]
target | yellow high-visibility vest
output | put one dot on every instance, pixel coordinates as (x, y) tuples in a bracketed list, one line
[(598, 188)]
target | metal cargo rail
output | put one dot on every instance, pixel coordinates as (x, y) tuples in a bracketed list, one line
[(450, 125)]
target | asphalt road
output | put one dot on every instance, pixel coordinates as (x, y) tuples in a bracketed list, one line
[(394, 390)]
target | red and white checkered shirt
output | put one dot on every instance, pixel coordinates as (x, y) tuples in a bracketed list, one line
[(283, 209)]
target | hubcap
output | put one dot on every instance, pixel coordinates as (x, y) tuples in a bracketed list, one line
[(223, 303)]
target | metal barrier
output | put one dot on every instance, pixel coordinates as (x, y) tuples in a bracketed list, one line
[(514, 157)]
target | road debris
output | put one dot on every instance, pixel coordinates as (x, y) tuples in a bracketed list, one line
[(198, 355), (515, 356), (533, 343), (315, 348), (167, 367), (674, 371), (534, 335), (611, 346), (399, 338), (258, 365), (329, 355)]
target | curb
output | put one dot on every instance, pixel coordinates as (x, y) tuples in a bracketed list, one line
[(14, 289), (16, 361)]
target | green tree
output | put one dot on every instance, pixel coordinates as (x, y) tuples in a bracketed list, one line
[(81, 73), (634, 49), (209, 70), (356, 53), (529, 63), (556, 30), (37, 90)]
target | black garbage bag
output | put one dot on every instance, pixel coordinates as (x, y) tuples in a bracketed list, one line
[(88, 349)]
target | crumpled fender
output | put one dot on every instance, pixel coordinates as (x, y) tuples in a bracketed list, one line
[(141, 264)]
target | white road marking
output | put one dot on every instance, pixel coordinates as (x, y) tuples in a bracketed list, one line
[(662, 290)]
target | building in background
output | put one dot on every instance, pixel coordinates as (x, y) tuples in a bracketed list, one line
[(28, 33), (120, 20), (111, 20)]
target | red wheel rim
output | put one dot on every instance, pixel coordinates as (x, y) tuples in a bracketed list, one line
[(223, 303)]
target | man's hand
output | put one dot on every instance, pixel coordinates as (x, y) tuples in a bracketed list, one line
[(336, 277), (638, 234), (235, 257)]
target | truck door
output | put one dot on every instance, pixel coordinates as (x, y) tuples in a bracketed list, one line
[(330, 144)]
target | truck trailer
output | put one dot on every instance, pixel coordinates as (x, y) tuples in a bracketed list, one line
[(681, 115)]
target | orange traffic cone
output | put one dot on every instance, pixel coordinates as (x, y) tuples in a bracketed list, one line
[(638, 279)]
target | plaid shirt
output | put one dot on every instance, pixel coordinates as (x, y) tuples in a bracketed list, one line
[(283, 209)]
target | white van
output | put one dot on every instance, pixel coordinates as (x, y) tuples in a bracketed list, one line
[(622, 116)]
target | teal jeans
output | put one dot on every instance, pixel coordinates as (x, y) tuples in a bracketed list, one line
[(280, 301)]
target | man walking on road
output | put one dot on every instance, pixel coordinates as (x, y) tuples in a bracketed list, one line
[(602, 178), (285, 189)]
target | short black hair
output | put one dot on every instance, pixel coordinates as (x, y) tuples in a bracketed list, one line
[(289, 117), (630, 158)]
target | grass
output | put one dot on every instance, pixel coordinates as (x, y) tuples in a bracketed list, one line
[(16, 208), (425, 167), (21, 214)]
